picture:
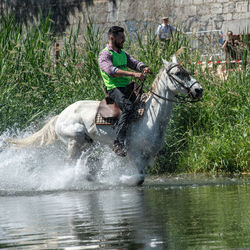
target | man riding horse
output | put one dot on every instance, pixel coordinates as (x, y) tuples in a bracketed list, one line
[(114, 61)]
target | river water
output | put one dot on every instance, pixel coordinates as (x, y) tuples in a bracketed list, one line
[(47, 204)]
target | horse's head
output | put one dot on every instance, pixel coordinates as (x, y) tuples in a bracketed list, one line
[(180, 81)]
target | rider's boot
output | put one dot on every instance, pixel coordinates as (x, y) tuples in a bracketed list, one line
[(119, 148)]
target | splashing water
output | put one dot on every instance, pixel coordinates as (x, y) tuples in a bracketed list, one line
[(45, 169)]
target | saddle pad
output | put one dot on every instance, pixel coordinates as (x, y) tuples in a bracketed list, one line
[(99, 120)]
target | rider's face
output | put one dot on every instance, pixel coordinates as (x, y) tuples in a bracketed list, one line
[(119, 40)]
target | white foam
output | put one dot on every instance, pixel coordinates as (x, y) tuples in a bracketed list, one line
[(43, 169)]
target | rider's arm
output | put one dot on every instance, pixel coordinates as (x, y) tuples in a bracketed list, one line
[(106, 63), (120, 73), (134, 64)]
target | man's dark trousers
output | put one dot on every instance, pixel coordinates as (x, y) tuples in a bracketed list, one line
[(124, 98)]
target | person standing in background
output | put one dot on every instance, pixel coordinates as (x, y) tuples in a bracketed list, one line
[(229, 46), (165, 31)]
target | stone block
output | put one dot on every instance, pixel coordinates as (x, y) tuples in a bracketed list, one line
[(246, 15), (227, 16), (218, 24), (216, 8), (205, 19), (198, 1), (99, 13), (184, 2), (203, 9), (222, 1), (128, 10), (228, 7), (190, 10), (242, 6)]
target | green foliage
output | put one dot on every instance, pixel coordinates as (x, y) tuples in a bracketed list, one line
[(25, 72), (34, 84), (212, 135)]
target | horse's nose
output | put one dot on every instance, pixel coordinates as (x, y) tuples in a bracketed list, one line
[(198, 92)]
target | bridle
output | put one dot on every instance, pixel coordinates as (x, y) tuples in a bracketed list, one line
[(180, 99)]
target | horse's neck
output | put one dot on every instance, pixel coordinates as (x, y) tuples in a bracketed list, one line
[(158, 111)]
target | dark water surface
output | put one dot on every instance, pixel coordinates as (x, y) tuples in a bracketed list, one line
[(170, 213)]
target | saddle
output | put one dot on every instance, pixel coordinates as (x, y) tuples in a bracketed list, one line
[(108, 108), (108, 111)]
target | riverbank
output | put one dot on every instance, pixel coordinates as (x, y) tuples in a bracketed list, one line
[(209, 136)]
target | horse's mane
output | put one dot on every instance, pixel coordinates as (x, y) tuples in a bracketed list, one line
[(158, 76), (156, 80)]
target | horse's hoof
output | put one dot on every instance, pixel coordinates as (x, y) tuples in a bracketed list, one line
[(88, 139), (139, 183), (90, 178), (141, 180)]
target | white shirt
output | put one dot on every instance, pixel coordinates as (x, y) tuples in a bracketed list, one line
[(164, 31)]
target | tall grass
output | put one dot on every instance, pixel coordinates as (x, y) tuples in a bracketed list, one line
[(33, 83), (26, 87), (210, 136)]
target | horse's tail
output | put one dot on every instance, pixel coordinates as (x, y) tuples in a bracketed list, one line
[(45, 136)]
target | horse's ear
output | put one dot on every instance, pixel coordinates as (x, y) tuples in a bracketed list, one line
[(174, 59), (165, 62)]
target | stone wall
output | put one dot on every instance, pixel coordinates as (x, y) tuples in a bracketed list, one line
[(192, 15)]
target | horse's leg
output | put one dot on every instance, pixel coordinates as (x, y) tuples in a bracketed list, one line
[(77, 145), (141, 161), (74, 150)]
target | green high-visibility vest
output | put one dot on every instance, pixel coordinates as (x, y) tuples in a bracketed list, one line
[(119, 61)]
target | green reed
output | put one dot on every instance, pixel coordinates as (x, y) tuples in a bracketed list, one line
[(33, 82), (209, 136)]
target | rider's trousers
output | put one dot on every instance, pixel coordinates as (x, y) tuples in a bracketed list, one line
[(124, 98)]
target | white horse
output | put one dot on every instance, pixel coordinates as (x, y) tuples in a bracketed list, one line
[(76, 127)]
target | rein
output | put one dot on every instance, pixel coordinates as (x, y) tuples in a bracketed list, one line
[(181, 99)]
